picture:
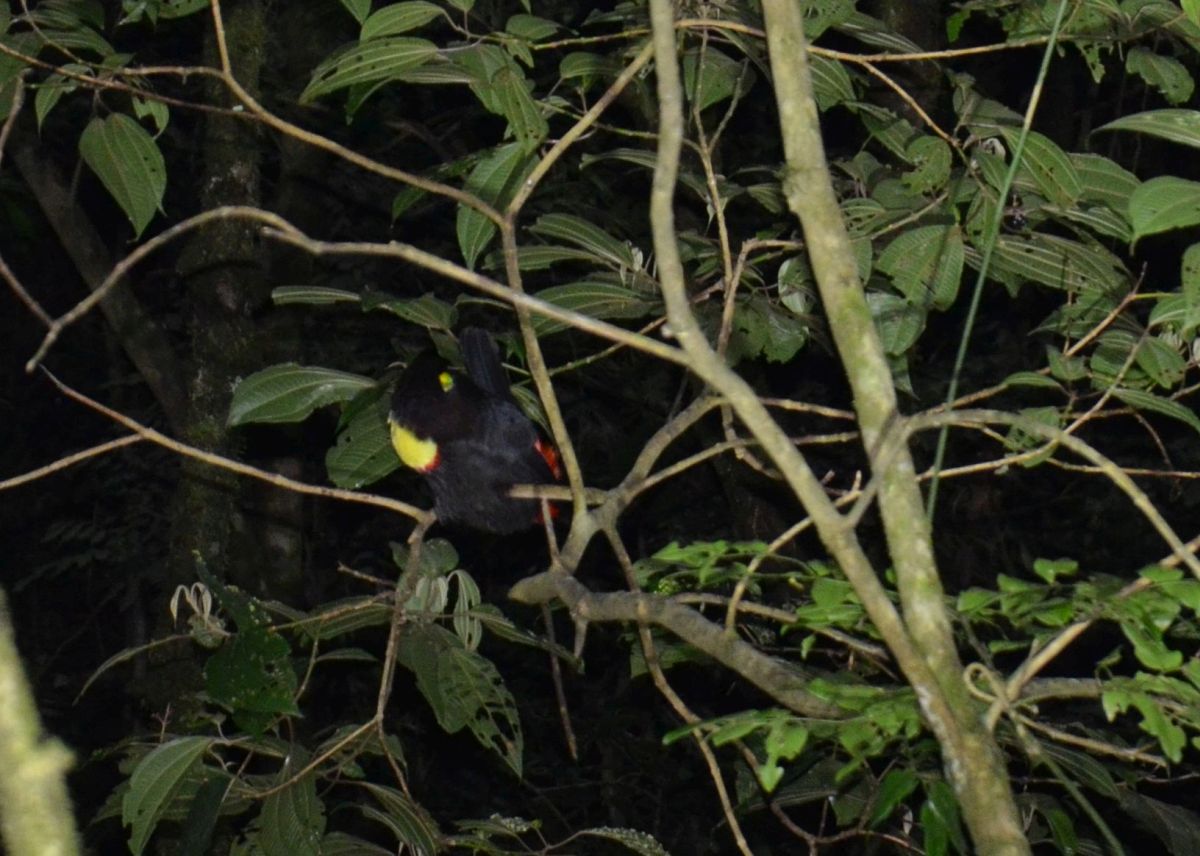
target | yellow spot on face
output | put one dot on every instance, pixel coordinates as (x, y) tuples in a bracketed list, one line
[(419, 454), (447, 381)]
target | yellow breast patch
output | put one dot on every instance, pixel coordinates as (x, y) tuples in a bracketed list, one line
[(419, 454)]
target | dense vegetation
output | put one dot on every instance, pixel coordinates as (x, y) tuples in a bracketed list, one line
[(867, 334)]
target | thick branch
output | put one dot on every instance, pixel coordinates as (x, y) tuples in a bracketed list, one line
[(772, 676)]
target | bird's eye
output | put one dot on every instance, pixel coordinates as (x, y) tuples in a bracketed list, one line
[(446, 380)]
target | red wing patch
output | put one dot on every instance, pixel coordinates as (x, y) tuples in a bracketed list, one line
[(550, 456)]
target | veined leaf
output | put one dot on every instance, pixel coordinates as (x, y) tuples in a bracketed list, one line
[(1164, 203), (589, 236), (1175, 124), (127, 160), (291, 392), (597, 299), (373, 61), (925, 264), (399, 18), (1049, 166), (1148, 401), (155, 780), (312, 295)]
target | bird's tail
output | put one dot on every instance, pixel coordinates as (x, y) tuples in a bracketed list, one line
[(482, 360)]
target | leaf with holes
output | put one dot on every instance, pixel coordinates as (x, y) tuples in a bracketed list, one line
[(374, 61)]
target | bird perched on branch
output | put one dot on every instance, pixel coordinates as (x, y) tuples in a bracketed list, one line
[(467, 436)]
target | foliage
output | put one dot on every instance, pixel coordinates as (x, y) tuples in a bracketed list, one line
[(1077, 239)]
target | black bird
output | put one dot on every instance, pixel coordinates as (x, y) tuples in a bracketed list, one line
[(467, 436)]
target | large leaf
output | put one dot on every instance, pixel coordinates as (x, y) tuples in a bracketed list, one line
[(426, 311), (290, 393), (463, 689), (292, 819), (1165, 73), (926, 264), (399, 18), (363, 453), (1057, 262), (411, 824), (493, 181), (1049, 166), (130, 166), (589, 236), (372, 61), (1176, 125), (1164, 203), (1104, 181), (154, 782), (594, 298), (525, 119), (1151, 403), (709, 76)]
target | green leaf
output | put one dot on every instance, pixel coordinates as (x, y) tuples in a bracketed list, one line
[(129, 164), (587, 67), (1176, 125), (1161, 362), (399, 18), (357, 8), (1104, 181), (830, 81), (290, 393), (312, 295), (631, 839), (426, 311), (1189, 275), (531, 27), (292, 820), (931, 159), (925, 264), (1049, 166), (1051, 569), (415, 830), (1164, 203), (1177, 828), (1164, 73), (1031, 379), (1151, 403), (1058, 263), (893, 789), (589, 236), (153, 784), (493, 180), (363, 453), (944, 805), (374, 61), (709, 76), (525, 119), (252, 675), (463, 689), (594, 298), (54, 88), (899, 322)]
